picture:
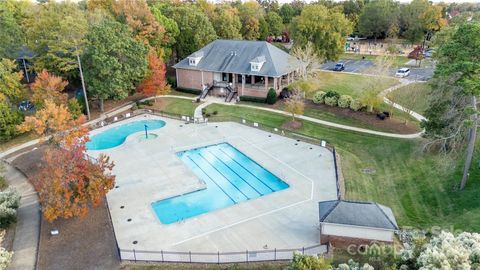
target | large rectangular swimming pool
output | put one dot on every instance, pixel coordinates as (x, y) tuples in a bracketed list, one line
[(230, 176)]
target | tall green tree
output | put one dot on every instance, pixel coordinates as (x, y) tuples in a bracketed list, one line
[(115, 62), (269, 5), (11, 88), (452, 114), (11, 33), (250, 14), (324, 28), (378, 18), (56, 33), (263, 29), (352, 10), (287, 13), (275, 23), (171, 31), (196, 30), (226, 22), (418, 17), (9, 119)]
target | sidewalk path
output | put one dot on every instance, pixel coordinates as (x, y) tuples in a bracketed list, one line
[(335, 125), (385, 92), (27, 231)]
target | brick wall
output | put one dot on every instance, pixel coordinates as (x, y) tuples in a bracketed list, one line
[(254, 92), (345, 242), (192, 79)]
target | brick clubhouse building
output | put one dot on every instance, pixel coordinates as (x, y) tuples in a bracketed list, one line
[(237, 67)]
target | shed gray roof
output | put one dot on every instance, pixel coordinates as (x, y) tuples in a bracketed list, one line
[(234, 56), (366, 214)]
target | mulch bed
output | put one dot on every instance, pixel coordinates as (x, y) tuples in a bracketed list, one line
[(111, 104), (391, 124), (292, 125), (87, 243)]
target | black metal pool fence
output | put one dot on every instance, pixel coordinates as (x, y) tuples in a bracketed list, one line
[(219, 257)]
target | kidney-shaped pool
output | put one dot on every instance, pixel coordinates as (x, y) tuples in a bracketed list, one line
[(115, 136)]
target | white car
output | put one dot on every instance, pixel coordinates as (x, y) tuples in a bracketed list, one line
[(403, 72)]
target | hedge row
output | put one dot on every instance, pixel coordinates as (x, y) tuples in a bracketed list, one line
[(189, 90), (333, 98), (253, 99)]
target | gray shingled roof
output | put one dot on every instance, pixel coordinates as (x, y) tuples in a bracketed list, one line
[(366, 214), (234, 56)]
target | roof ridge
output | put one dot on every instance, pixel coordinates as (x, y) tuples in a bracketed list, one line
[(359, 202), (270, 55), (331, 209), (385, 214)]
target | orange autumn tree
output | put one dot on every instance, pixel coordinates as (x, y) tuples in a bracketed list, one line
[(69, 184), (48, 87), (52, 119), (155, 82)]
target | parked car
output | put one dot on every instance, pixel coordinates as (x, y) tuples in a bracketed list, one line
[(26, 106), (403, 72), (339, 67), (428, 53)]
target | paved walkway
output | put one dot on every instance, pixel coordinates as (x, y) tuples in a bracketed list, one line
[(27, 232), (403, 82), (340, 126)]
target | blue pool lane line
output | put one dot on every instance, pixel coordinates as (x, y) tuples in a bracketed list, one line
[(230, 177)]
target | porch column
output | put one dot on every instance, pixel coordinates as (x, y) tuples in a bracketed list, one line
[(203, 83), (243, 84), (234, 78), (275, 86), (266, 82)]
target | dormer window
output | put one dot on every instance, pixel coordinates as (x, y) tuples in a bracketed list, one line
[(195, 58), (257, 63)]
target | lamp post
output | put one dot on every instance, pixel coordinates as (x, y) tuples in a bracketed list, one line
[(83, 86)]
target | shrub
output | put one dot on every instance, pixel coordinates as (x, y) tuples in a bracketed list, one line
[(9, 202), (189, 91), (145, 103), (74, 108), (5, 258), (356, 105), (172, 81), (344, 101), (271, 96), (319, 97), (331, 101), (252, 99), (331, 93)]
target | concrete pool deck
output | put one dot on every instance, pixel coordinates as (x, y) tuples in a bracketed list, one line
[(147, 171)]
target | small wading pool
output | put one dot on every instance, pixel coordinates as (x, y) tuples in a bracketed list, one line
[(230, 176), (115, 136)]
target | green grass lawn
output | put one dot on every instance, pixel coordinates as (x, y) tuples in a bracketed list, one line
[(175, 106), (413, 96), (20, 139), (347, 84), (346, 120), (398, 60), (417, 186)]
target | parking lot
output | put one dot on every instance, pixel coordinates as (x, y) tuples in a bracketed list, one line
[(364, 66)]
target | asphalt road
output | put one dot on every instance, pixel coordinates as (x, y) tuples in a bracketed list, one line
[(364, 66)]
